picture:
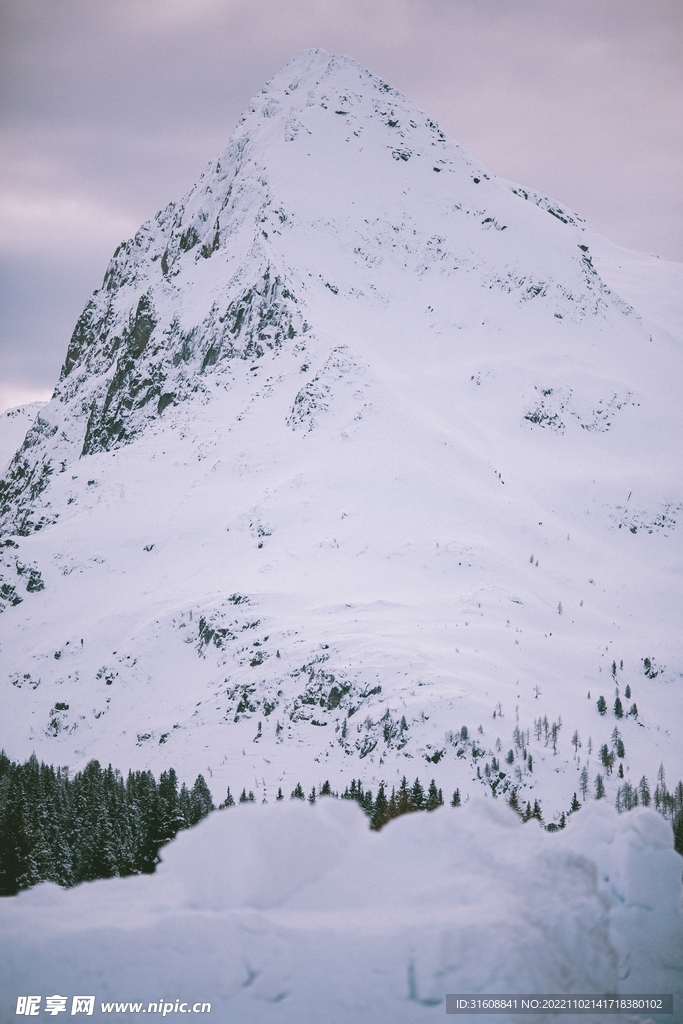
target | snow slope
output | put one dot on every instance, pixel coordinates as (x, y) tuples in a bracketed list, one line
[(297, 913), (355, 446)]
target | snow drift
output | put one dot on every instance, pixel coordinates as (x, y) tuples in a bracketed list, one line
[(288, 912)]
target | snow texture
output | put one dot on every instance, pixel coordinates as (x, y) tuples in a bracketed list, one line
[(293, 913), (355, 446)]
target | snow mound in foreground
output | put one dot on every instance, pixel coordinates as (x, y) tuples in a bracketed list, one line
[(289, 912)]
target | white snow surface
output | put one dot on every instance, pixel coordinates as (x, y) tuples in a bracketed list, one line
[(355, 446), (288, 912)]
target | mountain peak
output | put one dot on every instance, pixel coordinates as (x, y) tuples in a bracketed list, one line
[(333, 184), (314, 68)]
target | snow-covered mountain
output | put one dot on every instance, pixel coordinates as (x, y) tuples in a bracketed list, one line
[(355, 447)]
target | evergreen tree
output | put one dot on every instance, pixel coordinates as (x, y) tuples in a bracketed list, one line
[(229, 800), (145, 812), (185, 803), (644, 792), (417, 796), (120, 819), (366, 801), (88, 803), (103, 859), (606, 758), (434, 797), (583, 781), (599, 787), (311, 796), (171, 818), (455, 802), (627, 692), (201, 801), (678, 797), (326, 789), (404, 799), (602, 705), (46, 820), (297, 793), (280, 795), (380, 813), (55, 813), (627, 797), (678, 831), (575, 805), (15, 837), (618, 708)]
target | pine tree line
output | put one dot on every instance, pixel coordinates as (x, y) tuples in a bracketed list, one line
[(98, 825), (380, 809), (94, 825), (669, 805)]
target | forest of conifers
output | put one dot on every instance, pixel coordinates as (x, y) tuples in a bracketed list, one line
[(96, 824)]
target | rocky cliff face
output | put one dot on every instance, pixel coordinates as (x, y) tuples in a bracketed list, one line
[(340, 452)]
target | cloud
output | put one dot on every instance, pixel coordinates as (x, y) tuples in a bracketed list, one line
[(33, 220), (14, 394)]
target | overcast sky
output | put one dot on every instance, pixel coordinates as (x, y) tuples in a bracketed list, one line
[(111, 108)]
